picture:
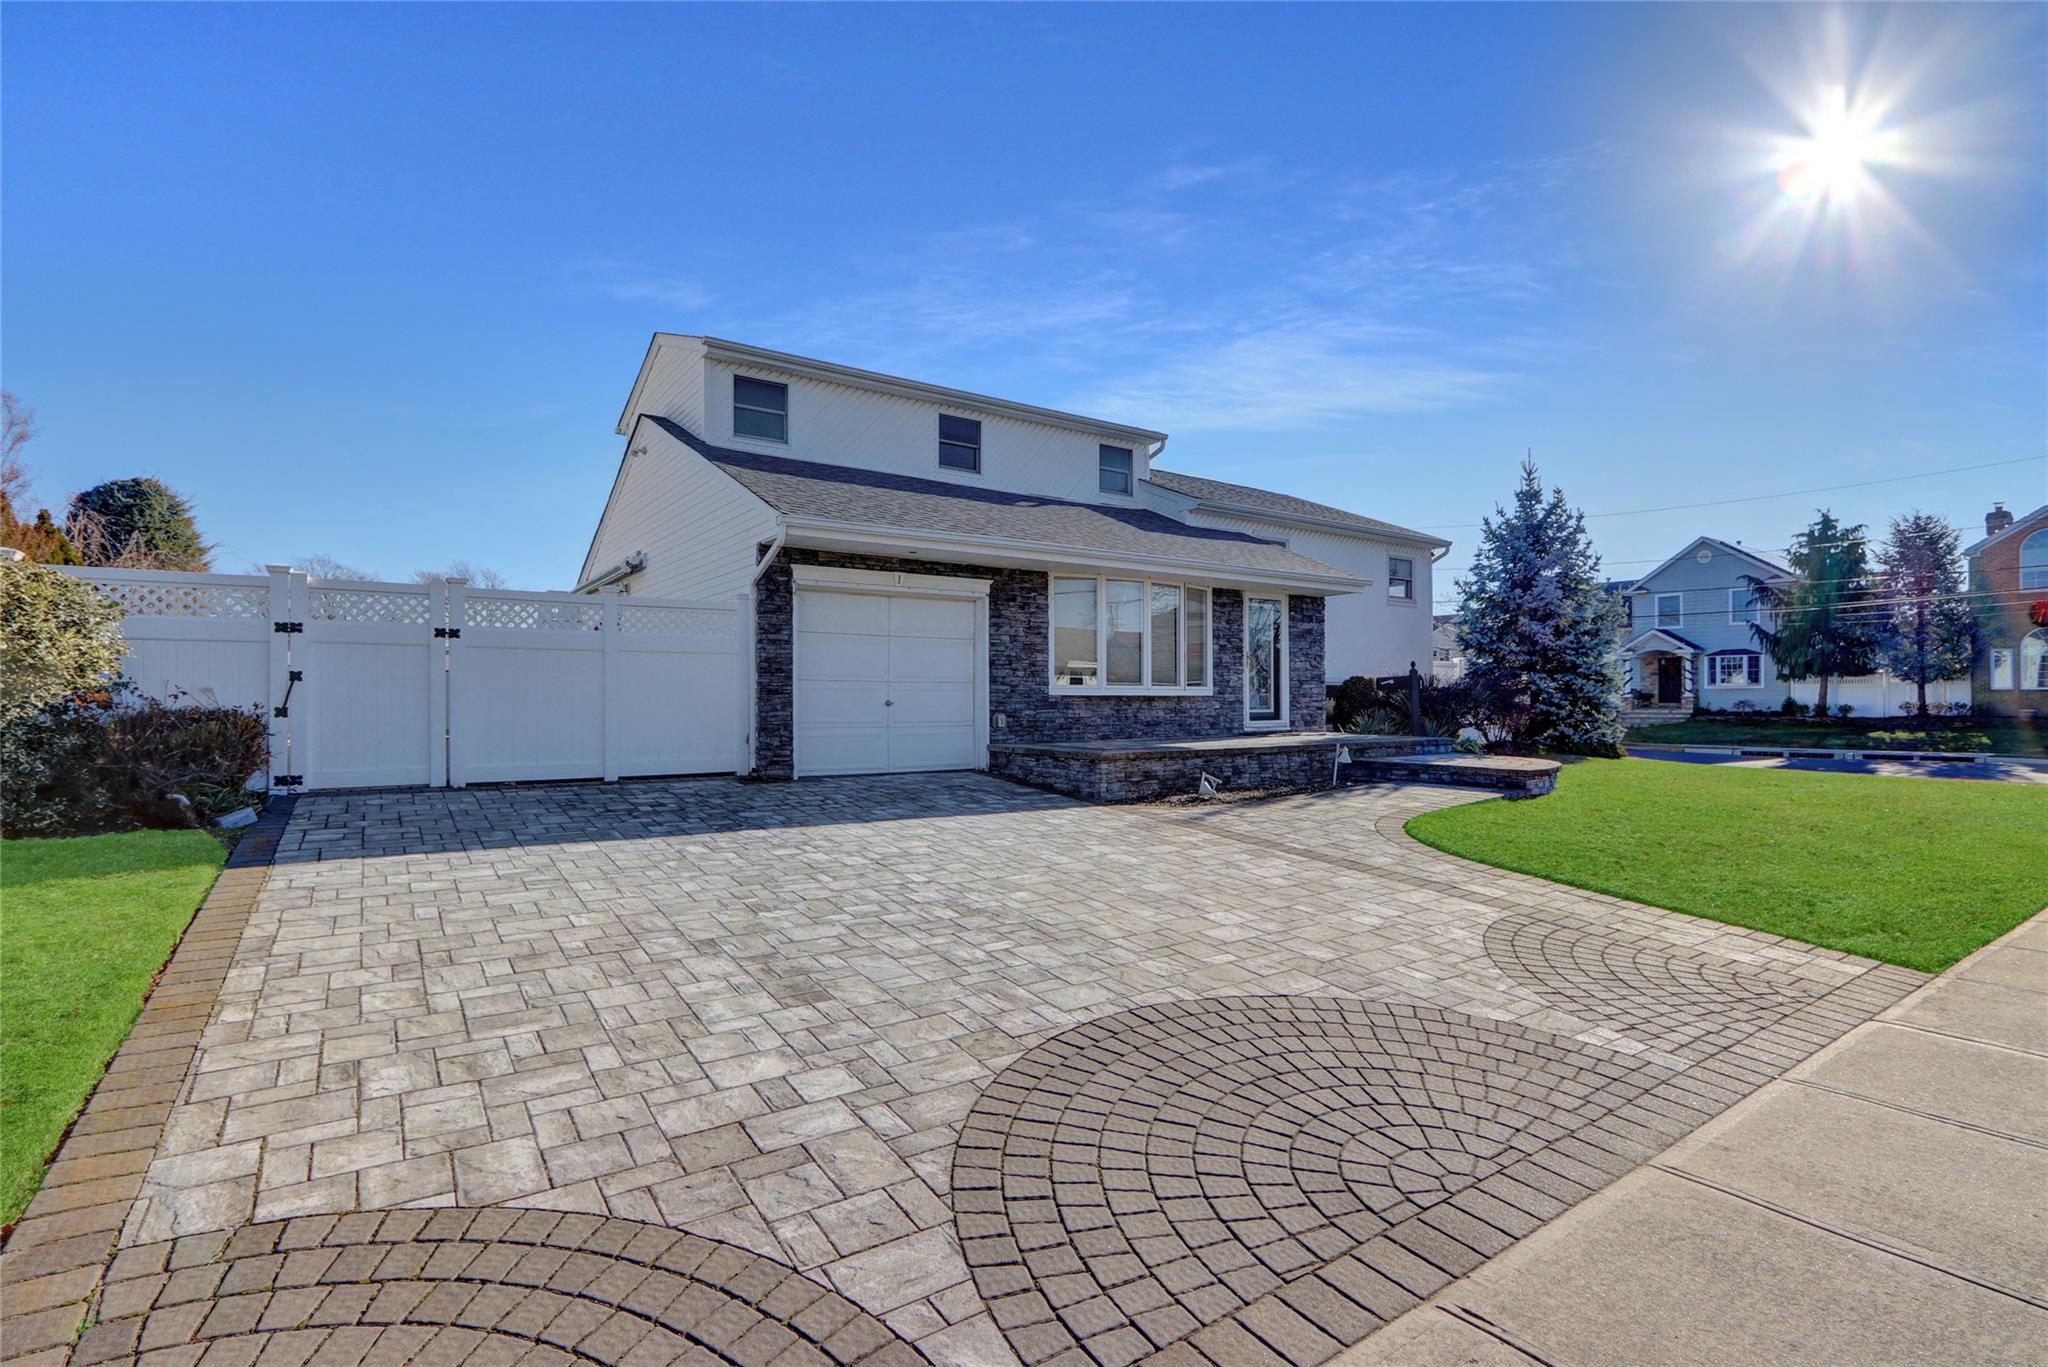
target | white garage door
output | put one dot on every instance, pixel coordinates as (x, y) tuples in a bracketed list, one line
[(886, 684)]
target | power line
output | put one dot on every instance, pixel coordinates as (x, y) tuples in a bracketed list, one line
[(1764, 498)]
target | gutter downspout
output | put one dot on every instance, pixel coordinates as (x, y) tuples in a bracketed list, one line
[(751, 699)]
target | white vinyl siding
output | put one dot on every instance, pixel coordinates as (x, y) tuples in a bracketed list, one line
[(1128, 636), (698, 527)]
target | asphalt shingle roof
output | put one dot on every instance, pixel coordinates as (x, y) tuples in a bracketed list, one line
[(1266, 500), (804, 488)]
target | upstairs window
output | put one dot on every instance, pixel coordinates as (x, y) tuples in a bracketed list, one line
[(760, 408), (959, 444), (1744, 605), (1400, 578), (1113, 469), (2034, 560), (1669, 612)]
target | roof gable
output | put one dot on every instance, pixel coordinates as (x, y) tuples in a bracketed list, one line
[(2019, 524), (1771, 568)]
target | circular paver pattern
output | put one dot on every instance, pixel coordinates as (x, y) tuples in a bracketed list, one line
[(1156, 1170), (487, 1287), (1688, 1003)]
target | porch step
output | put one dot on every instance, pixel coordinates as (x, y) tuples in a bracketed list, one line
[(1655, 714), (1511, 775)]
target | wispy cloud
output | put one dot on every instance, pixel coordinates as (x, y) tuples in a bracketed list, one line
[(1227, 295), (1295, 377), (634, 283)]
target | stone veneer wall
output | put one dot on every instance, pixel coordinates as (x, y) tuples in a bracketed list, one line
[(1018, 617), (1146, 778)]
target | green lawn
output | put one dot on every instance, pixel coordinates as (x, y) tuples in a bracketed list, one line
[(1914, 871), (84, 926), (1992, 735)]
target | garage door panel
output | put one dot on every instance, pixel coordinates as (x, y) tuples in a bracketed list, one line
[(919, 704), (931, 747), (914, 660), (841, 655), (823, 702), (856, 613), (931, 617), (852, 750)]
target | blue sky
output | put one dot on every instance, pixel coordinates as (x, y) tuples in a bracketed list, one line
[(373, 281)]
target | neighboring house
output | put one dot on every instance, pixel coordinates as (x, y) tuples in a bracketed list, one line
[(1686, 640), (1446, 651), (2009, 572), (933, 572), (1378, 632)]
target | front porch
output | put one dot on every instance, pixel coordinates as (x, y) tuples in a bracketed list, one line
[(1663, 670), (1146, 769)]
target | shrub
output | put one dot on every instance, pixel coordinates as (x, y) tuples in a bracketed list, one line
[(1792, 707), (1844, 709), (109, 762), (137, 524), (1743, 706), (1352, 698), (58, 636)]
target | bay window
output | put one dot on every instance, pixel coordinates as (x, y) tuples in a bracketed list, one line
[(1128, 636)]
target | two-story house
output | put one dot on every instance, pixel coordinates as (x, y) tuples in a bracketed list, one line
[(2009, 581), (937, 576), (1688, 639)]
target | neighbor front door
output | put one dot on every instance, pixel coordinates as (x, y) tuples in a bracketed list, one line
[(1670, 679)]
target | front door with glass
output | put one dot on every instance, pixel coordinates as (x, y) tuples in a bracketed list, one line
[(1264, 620)]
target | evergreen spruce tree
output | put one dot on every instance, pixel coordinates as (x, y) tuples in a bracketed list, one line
[(1928, 631), (137, 523), (1822, 626), (1537, 625)]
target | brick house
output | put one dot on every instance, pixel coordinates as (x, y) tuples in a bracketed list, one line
[(2009, 573)]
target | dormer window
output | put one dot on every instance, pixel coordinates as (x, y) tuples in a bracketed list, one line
[(959, 444), (1113, 469), (760, 408)]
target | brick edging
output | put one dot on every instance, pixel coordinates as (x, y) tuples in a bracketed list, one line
[(53, 1260)]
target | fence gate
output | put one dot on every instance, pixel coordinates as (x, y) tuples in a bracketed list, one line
[(373, 684)]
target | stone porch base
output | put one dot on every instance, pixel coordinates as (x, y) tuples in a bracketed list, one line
[(1146, 770)]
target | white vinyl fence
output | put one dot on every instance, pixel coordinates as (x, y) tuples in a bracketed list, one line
[(379, 684)]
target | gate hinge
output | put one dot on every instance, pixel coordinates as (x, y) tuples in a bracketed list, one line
[(288, 628), (280, 711), (448, 633), (287, 780)]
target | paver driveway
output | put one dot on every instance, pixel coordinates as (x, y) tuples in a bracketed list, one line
[(776, 1015)]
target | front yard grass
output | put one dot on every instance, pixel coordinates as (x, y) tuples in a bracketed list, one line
[(1912, 871), (1984, 735), (85, 924)]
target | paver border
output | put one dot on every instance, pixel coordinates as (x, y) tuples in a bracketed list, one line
[(52, 1263)]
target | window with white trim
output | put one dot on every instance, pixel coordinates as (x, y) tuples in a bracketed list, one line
[(1735, 669), (1401, 578), (1670, 610), (959, 443), (2001, 667), (1117, 635), (1113, 469), (760, 408), (2034, 661), (2034, 560), (1745, 605)]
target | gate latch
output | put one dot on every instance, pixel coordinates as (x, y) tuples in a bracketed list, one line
[(288, 628)]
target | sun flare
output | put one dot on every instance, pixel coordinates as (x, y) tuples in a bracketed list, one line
[(1832, 163)]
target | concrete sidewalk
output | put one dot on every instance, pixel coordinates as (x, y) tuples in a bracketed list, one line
[(1884, 1202)]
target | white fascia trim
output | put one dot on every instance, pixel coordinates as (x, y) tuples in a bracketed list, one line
[(1322, 524), (739, 353), (886, 539), (1776, 572), (888, 581)]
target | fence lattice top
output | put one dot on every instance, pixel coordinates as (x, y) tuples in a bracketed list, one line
[(369, 605), (156, 598)]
